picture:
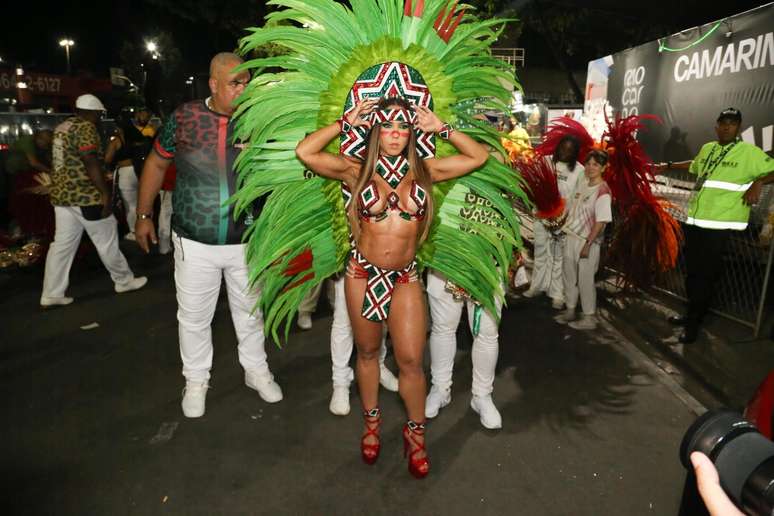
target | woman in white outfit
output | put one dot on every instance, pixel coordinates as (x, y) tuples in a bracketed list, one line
[(549, 248), (590, 210)]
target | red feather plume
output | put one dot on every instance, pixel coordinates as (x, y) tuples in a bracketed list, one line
[(558, 129), (542, 187), (646, 239)]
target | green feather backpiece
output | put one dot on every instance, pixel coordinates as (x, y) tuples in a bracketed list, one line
[(302, 234)]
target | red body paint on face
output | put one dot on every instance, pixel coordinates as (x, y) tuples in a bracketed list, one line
[(399, 134)]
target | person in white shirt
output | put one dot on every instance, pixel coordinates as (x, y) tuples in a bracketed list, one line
[(589, 211), (548, 252)]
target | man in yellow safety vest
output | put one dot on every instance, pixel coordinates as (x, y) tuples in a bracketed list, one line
[(731, 174)]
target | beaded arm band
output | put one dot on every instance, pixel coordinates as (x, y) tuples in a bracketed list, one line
[(344, 126), (446, 131)]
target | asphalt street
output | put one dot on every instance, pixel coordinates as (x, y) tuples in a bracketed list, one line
[(92, 421)]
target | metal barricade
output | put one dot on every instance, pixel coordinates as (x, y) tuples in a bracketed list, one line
[(740, 293)]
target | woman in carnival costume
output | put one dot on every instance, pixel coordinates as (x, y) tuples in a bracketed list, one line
[(380, 76)]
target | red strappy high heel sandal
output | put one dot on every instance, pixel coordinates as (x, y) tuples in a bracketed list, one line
[(411, 446), (370, 452)]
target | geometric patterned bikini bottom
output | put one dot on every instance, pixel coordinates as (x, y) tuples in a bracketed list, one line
[(381, 284)]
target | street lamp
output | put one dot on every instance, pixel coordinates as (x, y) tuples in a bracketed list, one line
[(153, 48), (67, 43)]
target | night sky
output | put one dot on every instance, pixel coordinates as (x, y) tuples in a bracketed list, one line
[(31, 31)]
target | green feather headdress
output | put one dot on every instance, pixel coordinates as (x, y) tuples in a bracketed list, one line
[(302, 234)]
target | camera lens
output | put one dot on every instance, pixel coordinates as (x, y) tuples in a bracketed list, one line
[(743, 457)]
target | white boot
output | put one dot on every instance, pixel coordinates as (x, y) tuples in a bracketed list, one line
[(304, 320), (339, 401), (194, 396), (46, 302), (587, 322), (566, 316), (485, 407), (263, 382), (387, 379), (530, 292), (133, 284), (436, 400)]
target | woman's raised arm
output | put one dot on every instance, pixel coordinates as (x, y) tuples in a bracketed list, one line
[(310, 151), (471, 155)]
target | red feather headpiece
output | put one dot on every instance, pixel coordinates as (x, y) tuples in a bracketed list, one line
[(542, 188)]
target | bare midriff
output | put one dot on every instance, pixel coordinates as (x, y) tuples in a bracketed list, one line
[(390, 243)]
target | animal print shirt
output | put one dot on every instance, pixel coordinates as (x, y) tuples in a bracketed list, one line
[(74, 139), (201, 143)]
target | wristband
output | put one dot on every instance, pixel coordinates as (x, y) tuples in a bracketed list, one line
[(143, 216), (446, 131)]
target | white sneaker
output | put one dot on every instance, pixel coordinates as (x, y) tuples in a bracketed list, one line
[(436, 400), (304, 320), (485, 407), (194, 395), (587, 322), (134, 284), (530, 292), (339, 401), (46, 302), (566, 316), (264, 383), (557, 304), (130, 236), (387, 379)]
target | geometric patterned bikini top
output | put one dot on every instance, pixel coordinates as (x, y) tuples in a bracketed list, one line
[(392, 169)]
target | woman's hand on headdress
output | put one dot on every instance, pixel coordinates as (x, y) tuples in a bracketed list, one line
[(358, 117), (427, 120)]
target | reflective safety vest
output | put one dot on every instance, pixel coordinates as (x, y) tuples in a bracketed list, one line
[(727, 171)]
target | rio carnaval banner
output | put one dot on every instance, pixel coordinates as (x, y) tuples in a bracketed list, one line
[(687, 79)]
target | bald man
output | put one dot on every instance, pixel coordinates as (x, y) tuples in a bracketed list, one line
[(207, 238)]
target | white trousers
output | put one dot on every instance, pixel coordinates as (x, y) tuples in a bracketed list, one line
[(579, 275), (70, 225), (199, 269), (309, 303), (127, 185), (342, 339), (165, 221), (547, 268), (446, 313)]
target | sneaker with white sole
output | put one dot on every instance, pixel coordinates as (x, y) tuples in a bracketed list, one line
[(387, 379), (194, 396), (339, 401), (587, 322), (437, 399), (130, 236), (304, 320), (557, 304), (47, 302), (566, 316), (530, 292), (264, 383), (133, 284), (485, 407)]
